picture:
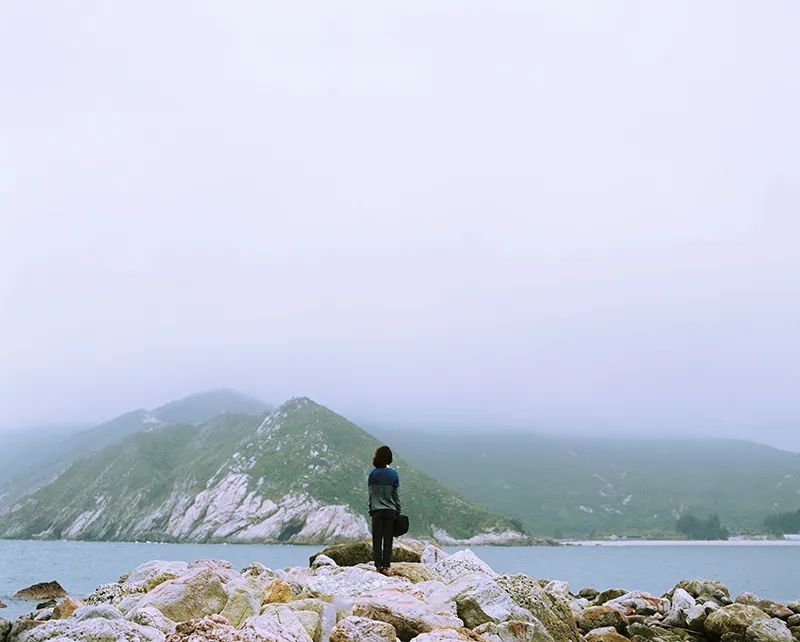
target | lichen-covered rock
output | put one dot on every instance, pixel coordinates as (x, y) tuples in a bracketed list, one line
[(596, 617), (198, 593), (244, 600), (480, 599), (704, 590), (591, 593), (696, 617), (605, 634), (556, 615), (408, 614), (775, 609), (747, 598), (5, 629), (514, 631), (413, 571), (794, 605), (41, 591), (771, 630), (211, 628), (150, 574), (609, 594), (734, 618), (461, 563), (360, 629), (351, 554), (639, 603), (277, 591), (65, 608), (322, 560)]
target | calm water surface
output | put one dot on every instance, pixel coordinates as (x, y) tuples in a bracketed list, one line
[(767, 569)]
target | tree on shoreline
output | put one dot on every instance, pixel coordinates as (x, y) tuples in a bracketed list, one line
[(788, 522), (695, 528)]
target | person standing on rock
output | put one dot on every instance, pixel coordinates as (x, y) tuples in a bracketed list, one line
[(384, 506)]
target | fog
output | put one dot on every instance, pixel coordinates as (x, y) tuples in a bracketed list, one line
[(558, 216)]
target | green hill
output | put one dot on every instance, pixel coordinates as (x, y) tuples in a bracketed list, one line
[(297, 474), (581, 486)]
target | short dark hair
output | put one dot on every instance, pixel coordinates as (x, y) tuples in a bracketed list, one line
[(383, 457)]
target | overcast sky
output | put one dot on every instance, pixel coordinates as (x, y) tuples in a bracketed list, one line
[(557, 215)]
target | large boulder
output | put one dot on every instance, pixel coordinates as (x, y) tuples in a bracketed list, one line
[(461, 563), (151, 616), (353, 553), (747, 598), (244, 600), (360, 629), (92, 629), (150, 574), (347, 582), (734, 618), (514, 631), (775, 609), (595, 617), (639, 603), (480, 599), (413, 571), (771, 630), (281, 626), (555, 615), (408, 614), (198, 593), (41, 591)]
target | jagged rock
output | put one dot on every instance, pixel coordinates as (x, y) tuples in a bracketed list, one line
[(403, 550), (311, 620), (609, 594), (461, 563), (681, 603), (48, 604), (514, 631), (771, 630), (91, 629), (281, 626), (605, 634), (732, 636), (97, 611), (43, 615), (408, 614), (775, 609), (578, 605), (794, 606), (449, 635), (348, 581), (41, 591), (596, 617), (198, 593), (558, 588), (5, 629), (704, 590), (734, 618), (750, 599), (360, 629), (590, 593), (65, 608), (556, 615), (21, 626), (793, 620), (322, 560), (151, 616), (639, 603), (480, 599), (432, 554), (696, 617)]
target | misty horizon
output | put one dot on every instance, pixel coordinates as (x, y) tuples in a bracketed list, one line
[(545, 216)]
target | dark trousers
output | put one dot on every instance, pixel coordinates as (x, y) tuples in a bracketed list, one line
[(382, 535)]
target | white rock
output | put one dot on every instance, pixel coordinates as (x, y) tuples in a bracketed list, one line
[(461, 563), (151, 616), (681, 603), (199, 592), (322, 560), (361, 629), (349, 581), (480, 599), (558, 588), (95, 629), (514, 631), (639, 603), (282, 626), (148, 575), (431, 554), (771, 630)]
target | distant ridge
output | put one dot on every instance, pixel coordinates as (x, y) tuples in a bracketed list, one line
[(296, 474)]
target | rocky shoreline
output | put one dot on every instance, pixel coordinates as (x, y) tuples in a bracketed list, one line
[(431, 596)]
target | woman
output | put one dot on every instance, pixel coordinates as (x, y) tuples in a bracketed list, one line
[(384, 505)]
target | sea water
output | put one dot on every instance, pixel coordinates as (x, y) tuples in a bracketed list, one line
[(768, 569)]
